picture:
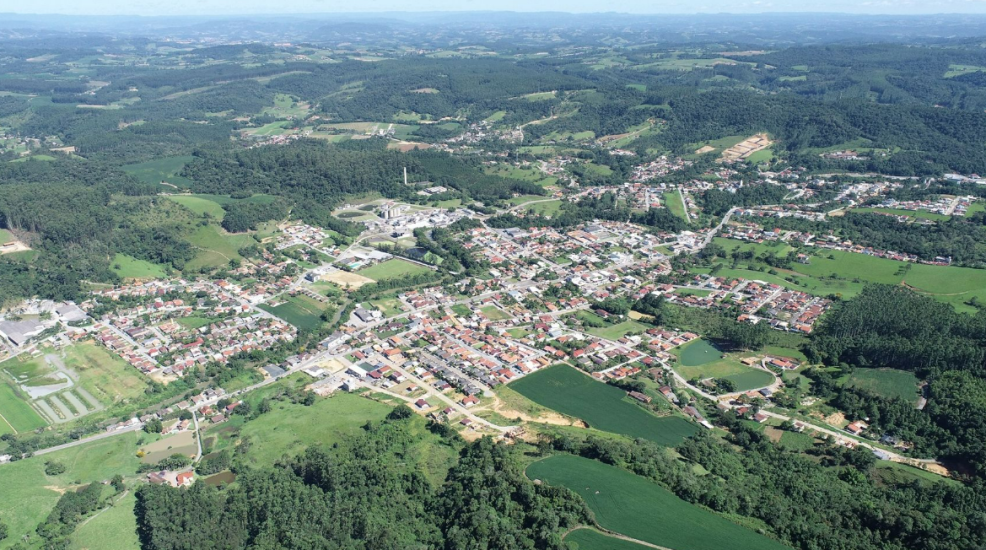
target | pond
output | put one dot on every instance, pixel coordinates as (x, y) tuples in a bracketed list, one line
[(222, 478), (698, 353)]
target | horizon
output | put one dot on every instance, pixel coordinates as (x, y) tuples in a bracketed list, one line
[(312, 8)]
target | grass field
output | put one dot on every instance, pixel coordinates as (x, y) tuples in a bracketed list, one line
[(392, 269), (700, 359), (114, 528), (289, 428), (17, 413), (301, 311), (796, 441), (6, 236), (548, 208), (604, 407), (923, 214), (462, 310), (886, 383), (162, 169), (103, 374), (199, 205), (215, 247), (672, 200), (389, 306), (29, 494), (590, 539), (619, 330), (129, 267), (639, 508)]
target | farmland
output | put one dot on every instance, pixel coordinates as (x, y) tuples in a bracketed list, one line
[(16, 412), (603, 407), (639, 508), (392, 269)]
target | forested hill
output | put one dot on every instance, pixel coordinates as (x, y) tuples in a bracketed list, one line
[(371, 492)]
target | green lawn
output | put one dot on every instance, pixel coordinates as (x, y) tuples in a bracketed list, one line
[(590, 539), (462, 310), (389, 306), (797, 441), (128, 267), (199, 205), (215, 247), (29, 494), (193, 322), (392, 269), (619, 330), (639, 508), (886, 383), (603, 407), (548, 208), (301, 311)]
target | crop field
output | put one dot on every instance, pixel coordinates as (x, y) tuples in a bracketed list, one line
[(301, 311), (392, 269), (128, 267), (103, 374), (590, 539), (619, 330), (701, 359), (886, 383), (639, 508), (29, 494), (603, 407), (163, 169)]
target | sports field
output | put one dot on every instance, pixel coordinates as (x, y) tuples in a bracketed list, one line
[(603, 407), (494, 313), (392, 269), (639, 508), (301, 311), (886, 383), (17, 415)]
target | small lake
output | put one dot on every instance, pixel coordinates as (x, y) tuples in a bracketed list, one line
[(699, 353), (222, 478)]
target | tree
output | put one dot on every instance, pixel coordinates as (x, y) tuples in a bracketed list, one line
[(53, 468)]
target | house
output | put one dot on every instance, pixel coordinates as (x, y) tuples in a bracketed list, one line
[(421, 404), (857, 427), (470, 400), (184, 479), (640, 397), (760, 417)]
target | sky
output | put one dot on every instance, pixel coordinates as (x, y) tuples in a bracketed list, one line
[(283, 7)]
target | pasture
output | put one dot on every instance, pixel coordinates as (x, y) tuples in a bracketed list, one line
[(30, 495), (200, 206), (392, 269), (104, 374), (568, 391), (301, 311), (886, 383), (639, 508), (215, 247)]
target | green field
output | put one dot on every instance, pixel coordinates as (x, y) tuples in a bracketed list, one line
[(389, 306), (6, 236), (392, 269), (672, 200), (301, 311), (215, 247), (590, 539), (17, 413), (103, 374), (700, 359), (619, 330), (797, 441), (128, 267), (193, 322), (29, 494), (199, 205), (462, 310), (603, 407), (909, 213), (116, 528), (289, 428), (162, 169), (639, 508), (547, 208), (886, 383)]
